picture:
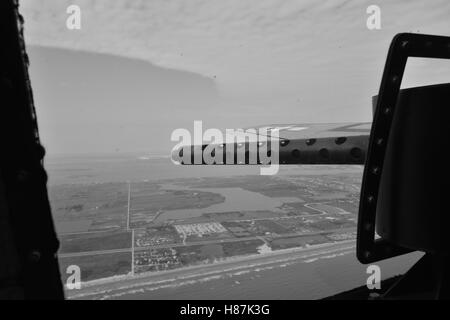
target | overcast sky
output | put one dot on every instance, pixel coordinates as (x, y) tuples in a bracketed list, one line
[(248, 62)]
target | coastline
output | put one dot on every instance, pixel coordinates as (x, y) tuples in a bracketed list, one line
[(122, 282)]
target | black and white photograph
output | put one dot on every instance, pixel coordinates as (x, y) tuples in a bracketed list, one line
[(224, 158)]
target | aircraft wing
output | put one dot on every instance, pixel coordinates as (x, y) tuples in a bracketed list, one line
[(326, 143)]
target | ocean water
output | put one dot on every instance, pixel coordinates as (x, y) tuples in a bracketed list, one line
[(64, 169), (314, 279), (99, 168)]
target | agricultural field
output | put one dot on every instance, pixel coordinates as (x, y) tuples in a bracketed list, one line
[(184, 222)]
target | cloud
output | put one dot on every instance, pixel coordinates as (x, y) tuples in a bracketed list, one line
[(259, 52)]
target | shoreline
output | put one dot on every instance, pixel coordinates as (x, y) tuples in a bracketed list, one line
[(98, 286)]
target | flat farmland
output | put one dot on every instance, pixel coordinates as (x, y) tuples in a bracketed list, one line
[(97, 241)]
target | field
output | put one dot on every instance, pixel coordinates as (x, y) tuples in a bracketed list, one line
[(300, 241), (97, 266), (182, 222), (94, 241)]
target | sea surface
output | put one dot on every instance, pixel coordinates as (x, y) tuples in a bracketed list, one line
[(310, 279), (312, 273), (98, 168)]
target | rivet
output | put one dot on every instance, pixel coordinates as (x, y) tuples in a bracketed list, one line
[(374, 296), (284, 142), (34, 256), (405, 44), (40, 151), (379, 141), (370, 199), (376, 170)]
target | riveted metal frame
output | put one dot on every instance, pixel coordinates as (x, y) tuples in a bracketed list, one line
[(403, 45), (26, 212)]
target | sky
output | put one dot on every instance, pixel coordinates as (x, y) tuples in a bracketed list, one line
[(138, 69)]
